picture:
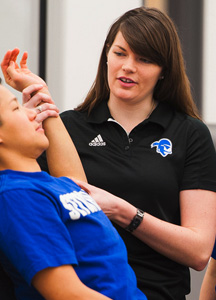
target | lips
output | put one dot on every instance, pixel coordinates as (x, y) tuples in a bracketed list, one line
[(40, 128), (126, 80)]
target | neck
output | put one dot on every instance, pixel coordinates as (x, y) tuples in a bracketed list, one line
[(20, 164), (128, 114)]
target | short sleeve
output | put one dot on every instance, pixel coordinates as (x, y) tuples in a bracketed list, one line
[(200, 160), (32, 234), (214, 251)]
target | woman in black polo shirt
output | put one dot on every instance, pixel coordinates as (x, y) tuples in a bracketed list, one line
[(141, 141)]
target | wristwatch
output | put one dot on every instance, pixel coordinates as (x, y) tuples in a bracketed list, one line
[(136, 221)]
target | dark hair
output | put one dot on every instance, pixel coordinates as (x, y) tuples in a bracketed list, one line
[(152, 34), (0, 80)]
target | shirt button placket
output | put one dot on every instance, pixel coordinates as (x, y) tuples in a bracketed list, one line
[(130, 140)]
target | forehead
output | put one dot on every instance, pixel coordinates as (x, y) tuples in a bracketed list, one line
[(119, 39), (5, 95)]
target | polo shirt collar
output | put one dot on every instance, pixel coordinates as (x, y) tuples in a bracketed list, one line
[(99, 114), (161, 115)]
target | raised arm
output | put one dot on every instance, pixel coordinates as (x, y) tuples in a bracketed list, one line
[(62, 157)]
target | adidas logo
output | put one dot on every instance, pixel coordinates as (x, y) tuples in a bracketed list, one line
[(97, 141)]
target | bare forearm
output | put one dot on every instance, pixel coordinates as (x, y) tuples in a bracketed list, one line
[(77, 294), (173, 241), (62, 156), (62, 283)]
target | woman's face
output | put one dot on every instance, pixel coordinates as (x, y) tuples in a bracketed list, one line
[(131, 78)]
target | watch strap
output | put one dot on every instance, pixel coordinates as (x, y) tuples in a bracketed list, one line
[(136, 220)]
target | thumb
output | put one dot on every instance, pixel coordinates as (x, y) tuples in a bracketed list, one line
[(82, 185)]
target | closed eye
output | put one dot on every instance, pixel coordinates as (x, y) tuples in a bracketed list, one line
[(119, 53), (145, 60)]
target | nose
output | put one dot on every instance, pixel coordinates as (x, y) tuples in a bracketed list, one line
[(129, 66), (31, 113)]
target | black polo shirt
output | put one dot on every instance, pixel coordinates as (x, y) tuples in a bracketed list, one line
[(163, 155)]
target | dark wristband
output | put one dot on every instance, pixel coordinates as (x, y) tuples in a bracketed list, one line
[(136, 221)]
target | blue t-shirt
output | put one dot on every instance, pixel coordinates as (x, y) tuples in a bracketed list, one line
[(49, 222)]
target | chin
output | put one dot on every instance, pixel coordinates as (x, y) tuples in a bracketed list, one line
[(43, 147)]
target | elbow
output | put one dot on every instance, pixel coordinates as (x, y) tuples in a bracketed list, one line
[(200, 261)]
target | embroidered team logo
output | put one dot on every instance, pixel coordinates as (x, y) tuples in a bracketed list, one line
[(163, 146)]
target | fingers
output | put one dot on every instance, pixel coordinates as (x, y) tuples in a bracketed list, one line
[(44, 110), (29, 91), (35, 94), (42, 100), (46, 107), (14, 53), (10, 56), (42, 103), (46, 114), (83, 185), (23, 62), (5, 63)]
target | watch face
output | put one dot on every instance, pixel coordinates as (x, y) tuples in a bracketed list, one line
[(140, 213)]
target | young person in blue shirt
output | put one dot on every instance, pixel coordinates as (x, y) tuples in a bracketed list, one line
[(55, 241)]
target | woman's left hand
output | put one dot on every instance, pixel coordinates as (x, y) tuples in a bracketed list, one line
[(116, 209), (104, 199), (41, 102)]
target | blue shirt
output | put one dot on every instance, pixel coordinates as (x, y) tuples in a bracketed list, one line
[(49, 222)]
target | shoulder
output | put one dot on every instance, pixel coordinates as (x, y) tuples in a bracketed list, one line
[(72, 115), (198, 128), (191, 126), (74, 121)]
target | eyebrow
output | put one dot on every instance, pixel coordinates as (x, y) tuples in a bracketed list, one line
[(123, 49), (13, 99)]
